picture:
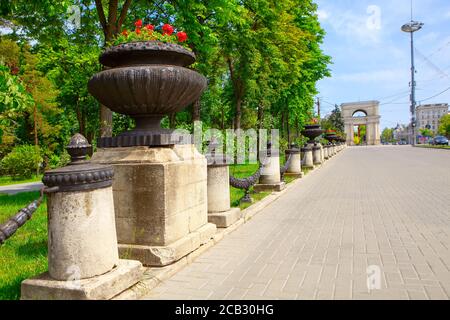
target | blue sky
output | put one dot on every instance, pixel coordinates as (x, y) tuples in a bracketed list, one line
[(371, 55)]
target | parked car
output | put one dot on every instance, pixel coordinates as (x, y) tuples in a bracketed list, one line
[(440, 141)]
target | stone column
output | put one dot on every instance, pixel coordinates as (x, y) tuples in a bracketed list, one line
[(317, 156), (322, 154), (219, 209), (270, 179), (83, 260), (308, 161), (325, 151), (295, 166), (160, 198)]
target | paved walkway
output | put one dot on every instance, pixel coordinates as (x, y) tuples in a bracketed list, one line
[(371, 206), (22, 187)]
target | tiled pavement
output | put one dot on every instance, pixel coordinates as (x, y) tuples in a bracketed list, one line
[(370, 206)]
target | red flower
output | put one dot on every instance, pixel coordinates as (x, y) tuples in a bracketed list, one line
[(167, 29), (150, 27), (182, 36), (125, 32), (138, 31), (138, 23)]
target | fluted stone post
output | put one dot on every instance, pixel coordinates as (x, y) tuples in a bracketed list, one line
[(270, 179), (325, 152), (307, 157), (219, 205), (317, 157), (83, 260), (295, 166)]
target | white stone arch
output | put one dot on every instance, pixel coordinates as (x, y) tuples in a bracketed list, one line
[(371, 120)]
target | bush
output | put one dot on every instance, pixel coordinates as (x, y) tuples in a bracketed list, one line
[(22, 161), (55, 161)]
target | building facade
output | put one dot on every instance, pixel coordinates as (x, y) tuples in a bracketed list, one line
[(430, 115), (403, 133)]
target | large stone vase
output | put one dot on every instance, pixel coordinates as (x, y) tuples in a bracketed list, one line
[(160, 184), (146, 80), (312, 132)]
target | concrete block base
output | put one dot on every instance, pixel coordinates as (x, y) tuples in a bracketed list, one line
[(270, 187), (159, 256), (103, 287), (294, 175), (225, 219)]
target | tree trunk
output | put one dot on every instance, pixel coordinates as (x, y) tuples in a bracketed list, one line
[(106, 124), (36, 141), (196, 107), (237, 119), (172, 120), (260, 116), (111, 25)]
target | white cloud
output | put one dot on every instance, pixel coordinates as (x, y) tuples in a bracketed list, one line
[(380, 76), (323, 15), (447, 15), (356, 26)]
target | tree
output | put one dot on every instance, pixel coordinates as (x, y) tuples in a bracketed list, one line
[(426, 133), (444, 125), (334, 121), (387, 135)]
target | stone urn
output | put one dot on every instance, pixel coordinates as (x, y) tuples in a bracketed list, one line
[(312, 132), (332, 137), (147, 81)]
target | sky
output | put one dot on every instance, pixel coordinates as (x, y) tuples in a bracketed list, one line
[(371, 55)]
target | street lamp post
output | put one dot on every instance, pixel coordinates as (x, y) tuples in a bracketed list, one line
[(412, 27)]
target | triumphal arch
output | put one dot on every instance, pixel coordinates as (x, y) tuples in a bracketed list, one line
[(362, 114)]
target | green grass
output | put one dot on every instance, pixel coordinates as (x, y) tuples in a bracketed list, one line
[(8, 180), (246, 170), (24, 255), (431, 146)]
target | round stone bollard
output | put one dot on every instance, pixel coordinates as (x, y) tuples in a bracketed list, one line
[(81, 217), (325, 152), (270, 179), (218, 181), (308, 157), (322, 154), (317, 157), (295, 166), (82, 241)]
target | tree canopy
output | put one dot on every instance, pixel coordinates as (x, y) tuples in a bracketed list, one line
[(262, 58)]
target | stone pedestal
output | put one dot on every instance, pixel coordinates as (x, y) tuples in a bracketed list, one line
[(325, 152), (219, 210), (322, 154), (270, 179), (308, 161), (317, 156), (83, 260), (160, 197), (295, 166)]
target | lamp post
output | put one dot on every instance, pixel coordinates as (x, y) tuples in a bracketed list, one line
[(412, 27)]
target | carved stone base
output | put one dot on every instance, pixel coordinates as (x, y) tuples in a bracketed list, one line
[(103, 287), (270, 187), (225, 219), (294, 175), (159, 256)]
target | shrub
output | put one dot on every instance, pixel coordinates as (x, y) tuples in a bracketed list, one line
[(22, 161)]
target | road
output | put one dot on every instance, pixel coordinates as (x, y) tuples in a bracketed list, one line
[(386, 208), (23, 187)]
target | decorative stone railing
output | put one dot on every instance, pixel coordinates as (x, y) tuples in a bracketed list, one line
[(19, 219)]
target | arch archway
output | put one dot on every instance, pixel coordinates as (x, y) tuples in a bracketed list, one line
[(359, 115)]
